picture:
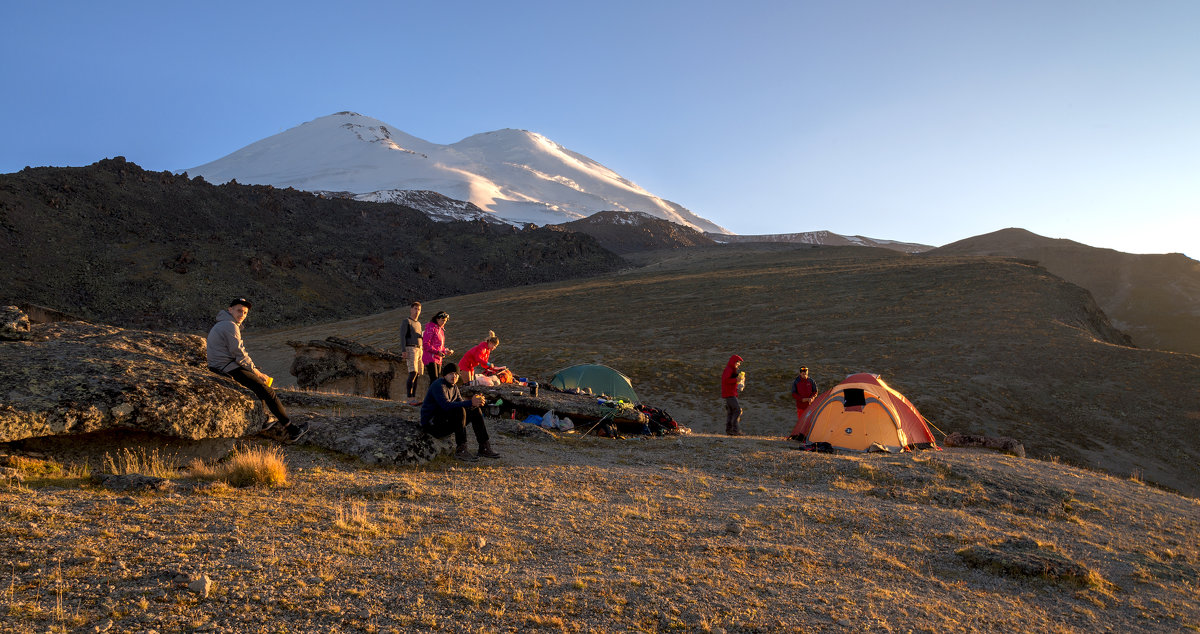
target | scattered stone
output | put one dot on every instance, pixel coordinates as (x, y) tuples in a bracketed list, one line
[(11, 474), (103, 627), (734, 528), (1003, 444), (200, 584), (480, 542)]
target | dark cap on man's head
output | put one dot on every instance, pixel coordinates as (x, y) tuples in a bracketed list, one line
[(240, 300), (449, 368)]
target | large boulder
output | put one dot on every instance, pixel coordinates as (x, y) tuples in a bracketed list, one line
[(77, 377), (349, 367)]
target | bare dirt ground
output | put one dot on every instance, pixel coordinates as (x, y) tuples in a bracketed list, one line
[(566, 533)]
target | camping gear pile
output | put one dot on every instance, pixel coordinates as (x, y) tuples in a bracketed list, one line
[(862, 413)]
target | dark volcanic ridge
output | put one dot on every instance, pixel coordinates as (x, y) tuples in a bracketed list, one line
[(115, 243)]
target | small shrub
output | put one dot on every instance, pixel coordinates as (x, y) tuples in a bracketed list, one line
[(248, 466)]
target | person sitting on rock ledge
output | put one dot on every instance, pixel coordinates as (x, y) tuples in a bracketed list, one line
[(227, 356), (446, 412)]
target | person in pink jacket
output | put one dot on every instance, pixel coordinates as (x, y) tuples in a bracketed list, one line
[(478, 356), (433, 345)]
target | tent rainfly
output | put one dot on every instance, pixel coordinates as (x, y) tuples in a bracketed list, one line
[(600, 378), (863, 411)]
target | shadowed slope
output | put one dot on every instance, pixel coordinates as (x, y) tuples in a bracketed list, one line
[(1153, 297)]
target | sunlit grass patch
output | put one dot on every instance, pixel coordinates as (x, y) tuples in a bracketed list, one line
[(140, 461), (246, 466)]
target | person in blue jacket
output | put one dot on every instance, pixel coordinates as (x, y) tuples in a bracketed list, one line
[(446, 412)]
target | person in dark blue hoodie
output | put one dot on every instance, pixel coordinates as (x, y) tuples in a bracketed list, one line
[(446, 412)]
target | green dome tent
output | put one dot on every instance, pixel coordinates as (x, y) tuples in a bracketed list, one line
[(601, 378)]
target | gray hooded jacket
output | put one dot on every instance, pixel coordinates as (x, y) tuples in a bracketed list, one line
[(225, 349)]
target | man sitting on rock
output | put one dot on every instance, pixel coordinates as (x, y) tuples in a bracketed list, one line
[(227, 355), (446, 412)]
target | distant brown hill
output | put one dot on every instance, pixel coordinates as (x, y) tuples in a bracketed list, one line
[(1155, 298), (632, 231), (115, 243), (980, 344)]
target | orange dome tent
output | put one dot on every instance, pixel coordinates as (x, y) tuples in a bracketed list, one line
[(862, 411)]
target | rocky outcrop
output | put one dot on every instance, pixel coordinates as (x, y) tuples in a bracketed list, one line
[(378, 439), (78, 377), (348, 367)]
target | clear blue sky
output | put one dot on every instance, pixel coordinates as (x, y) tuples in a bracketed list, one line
[(923, 121)]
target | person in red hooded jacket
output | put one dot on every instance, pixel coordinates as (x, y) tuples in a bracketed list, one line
[(478, 356), (730, 387)]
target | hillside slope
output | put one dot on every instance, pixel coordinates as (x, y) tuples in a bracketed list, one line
[(980, 345), (115, 243), (1155, 298)]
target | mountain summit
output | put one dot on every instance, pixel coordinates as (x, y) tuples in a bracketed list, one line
[(519, 175)]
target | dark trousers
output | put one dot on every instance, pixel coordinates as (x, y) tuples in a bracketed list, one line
[(455, 421), (733, 414), (433, 370), (262, 391)]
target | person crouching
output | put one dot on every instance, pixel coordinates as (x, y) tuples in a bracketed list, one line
[(446, 412)]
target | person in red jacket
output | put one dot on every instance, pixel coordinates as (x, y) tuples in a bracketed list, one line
[(730, 388), (478, 356), (804, 390)]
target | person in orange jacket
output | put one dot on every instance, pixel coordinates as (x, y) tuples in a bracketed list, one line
[(731, 386), (478, 356), (804, 390)]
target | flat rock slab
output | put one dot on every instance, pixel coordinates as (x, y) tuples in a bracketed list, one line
[(378, 439)]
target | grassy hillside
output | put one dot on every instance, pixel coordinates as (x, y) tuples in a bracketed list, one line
[(980, 345), (1154, 297)]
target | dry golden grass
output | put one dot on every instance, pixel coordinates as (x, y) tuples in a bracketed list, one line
[(246, 466), (139, 460)]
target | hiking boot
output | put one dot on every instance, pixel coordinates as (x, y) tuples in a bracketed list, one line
[(295, 432), (462, 454), (485, 451)]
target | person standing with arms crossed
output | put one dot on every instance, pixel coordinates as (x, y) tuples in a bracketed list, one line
[(410, 338)]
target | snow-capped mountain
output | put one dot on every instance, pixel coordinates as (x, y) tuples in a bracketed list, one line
[(827, 238), (517, 175)]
